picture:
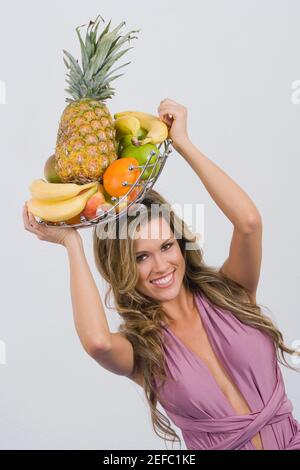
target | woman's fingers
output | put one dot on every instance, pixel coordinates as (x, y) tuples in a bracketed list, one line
[(170, 104), (168, 100), (167, 119), (32, 220), (169, 111), (172, 108), (30, 223), (25, 217)]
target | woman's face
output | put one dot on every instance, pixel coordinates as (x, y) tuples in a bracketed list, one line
[(158, 254)]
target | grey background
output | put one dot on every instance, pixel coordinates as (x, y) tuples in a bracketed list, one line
[(232, 64)]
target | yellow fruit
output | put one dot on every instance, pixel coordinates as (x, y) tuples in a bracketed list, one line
[(40, 189), (86, 142), (59, 211), (138, 114), (127, 125), (157, 130)]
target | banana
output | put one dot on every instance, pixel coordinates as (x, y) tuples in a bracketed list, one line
[(58, 211), (138, 114), (43, 190), (157, 130), (127, 125)]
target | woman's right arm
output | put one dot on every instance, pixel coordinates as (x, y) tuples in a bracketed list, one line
[(88, 312), (111, 350), (89, 315)]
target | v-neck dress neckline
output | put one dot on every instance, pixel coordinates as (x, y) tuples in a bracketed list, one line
[(214, 346), (195, 402)]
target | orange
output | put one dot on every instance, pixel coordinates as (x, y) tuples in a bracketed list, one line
[(74, 220), (117, 173)]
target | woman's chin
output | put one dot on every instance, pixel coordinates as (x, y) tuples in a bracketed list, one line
[(167, 293)]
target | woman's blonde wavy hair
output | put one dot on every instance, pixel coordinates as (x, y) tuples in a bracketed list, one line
[(143, 316)]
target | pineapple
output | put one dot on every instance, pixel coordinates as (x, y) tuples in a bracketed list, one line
[(86, 141)]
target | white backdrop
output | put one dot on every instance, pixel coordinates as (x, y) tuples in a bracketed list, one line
[(234, 65)]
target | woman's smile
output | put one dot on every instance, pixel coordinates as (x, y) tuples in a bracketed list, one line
[(165, 281)]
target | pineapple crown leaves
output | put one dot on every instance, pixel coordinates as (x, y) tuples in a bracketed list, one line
[(98, 55)]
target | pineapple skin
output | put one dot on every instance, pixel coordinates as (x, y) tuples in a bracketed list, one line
[(86, 142)]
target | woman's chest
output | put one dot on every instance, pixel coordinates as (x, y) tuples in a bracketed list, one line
[(195, 339)]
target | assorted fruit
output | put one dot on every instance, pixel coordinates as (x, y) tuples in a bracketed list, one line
[(95, 154), (95, 201), (50, 172), (118, 173), (141, 154), (157, 131), (55, 210), (40, 189)]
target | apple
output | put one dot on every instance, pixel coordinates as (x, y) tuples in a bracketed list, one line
[(127, 139), (123, 142), (104, 207), (50, 172), (90, 210), (141, 153)]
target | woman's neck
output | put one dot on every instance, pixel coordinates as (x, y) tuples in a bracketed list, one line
[(181, 309)]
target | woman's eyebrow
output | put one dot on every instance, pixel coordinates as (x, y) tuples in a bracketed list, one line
[(145, 251)]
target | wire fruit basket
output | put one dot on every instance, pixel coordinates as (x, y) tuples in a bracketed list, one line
[(116, 210)]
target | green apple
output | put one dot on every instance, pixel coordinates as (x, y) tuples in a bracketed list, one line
[(141, 153), (123, 142), (126, 139)]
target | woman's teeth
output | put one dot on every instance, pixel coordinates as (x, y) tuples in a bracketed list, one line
[(165, 280)]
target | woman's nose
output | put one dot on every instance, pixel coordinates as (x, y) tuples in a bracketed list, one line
[(160, 265)]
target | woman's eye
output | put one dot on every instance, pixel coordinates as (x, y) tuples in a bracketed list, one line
[(168, 244), (139, 258)]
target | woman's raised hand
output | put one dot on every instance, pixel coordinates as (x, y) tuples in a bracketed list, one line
[(49, 234), (174, 115)]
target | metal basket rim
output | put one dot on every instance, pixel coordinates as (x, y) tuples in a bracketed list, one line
[(147, 186)]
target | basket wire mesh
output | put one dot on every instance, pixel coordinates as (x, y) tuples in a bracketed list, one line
[(144, 184)]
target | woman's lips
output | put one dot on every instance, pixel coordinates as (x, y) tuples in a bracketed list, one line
[(170, 283)]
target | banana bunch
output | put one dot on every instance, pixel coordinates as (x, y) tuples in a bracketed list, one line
[(129, 122), (127, 125), (57, 202)]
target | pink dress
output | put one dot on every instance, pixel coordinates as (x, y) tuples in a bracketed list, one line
[(196, 404)]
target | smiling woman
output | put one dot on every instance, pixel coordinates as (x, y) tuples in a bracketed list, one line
[(192, 336), (160, 264), (158, 286)]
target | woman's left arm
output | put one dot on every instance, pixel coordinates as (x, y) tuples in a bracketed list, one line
[(226, 193)]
